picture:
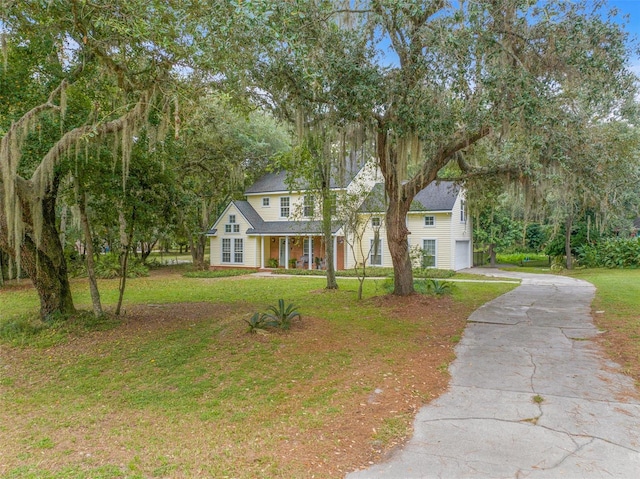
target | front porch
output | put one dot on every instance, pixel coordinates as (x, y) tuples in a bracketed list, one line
[(299, 251)]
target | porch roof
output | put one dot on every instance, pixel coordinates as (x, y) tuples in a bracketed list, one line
[(259, 227), (301, 228)]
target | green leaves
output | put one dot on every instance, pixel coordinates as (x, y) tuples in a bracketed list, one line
[(279, 317), (282, 315)]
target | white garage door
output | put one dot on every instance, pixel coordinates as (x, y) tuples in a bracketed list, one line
[(463, 255)]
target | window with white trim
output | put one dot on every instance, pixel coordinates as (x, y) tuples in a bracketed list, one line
[(284, 207), (463, 211), (232, 226), (308, 206), (232, 252), (333, 200), (375, 255), (307, 248), (429, 220), (265, 202), (226, 250), (375, 222), (429, 253), (238, 250)]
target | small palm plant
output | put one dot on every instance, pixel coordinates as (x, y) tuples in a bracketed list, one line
[(256, 322), (281, 316), (439, 287)]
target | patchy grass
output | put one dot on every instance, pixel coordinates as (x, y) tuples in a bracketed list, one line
[(617, 312), (374, 273), (371, 271), (218, 273), (178, 388)]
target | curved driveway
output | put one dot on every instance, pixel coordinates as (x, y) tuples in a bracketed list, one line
[(531, 396)]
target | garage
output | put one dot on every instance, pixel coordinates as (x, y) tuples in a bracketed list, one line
[(462, 255)]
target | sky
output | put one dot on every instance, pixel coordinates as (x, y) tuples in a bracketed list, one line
[(628, 15), (632, 9)]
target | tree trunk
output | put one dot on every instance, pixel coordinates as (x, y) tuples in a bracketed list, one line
[(146, 248), (197, 251), (397, 241), (88, 238), (492, 255), (396, 218), (332, 283), (125, 241), (45, 265), (567, 241)]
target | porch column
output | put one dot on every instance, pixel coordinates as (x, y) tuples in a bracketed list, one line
[(310, 252), (335, 253), (261, 252), (286, 252)]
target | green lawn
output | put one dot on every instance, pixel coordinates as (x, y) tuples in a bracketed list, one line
[(617, 311), (184, 391)]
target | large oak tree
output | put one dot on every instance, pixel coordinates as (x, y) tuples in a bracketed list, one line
[(128, 58), (448, 76)]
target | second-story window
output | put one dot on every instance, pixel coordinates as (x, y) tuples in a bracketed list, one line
[(284, 207), (308, 206), (232, 226), (463, 211), (429, 220), (265, 202), (375, 222)]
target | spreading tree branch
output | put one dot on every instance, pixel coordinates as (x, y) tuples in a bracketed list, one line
[(429, 170)]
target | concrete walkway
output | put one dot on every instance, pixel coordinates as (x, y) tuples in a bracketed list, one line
[(531, 396)]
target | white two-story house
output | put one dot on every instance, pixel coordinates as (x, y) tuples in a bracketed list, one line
[(279, 226)]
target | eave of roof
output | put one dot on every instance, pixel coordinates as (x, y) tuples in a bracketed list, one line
[(298, 228)]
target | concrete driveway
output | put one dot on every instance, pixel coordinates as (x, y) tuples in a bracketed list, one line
[(531, 396)]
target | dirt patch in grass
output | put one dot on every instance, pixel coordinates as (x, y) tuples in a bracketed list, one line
[(619, 340), (363, 405)]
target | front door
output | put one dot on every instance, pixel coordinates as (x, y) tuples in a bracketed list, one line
[(283, 252)]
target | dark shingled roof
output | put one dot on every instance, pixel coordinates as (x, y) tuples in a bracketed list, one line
[(247, 211), (272, 182), (291, 228), (439, 196), (260, 227)]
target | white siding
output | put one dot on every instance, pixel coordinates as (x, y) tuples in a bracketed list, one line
[(249, 243), (448, 229), (272, 212), (460, 230), (366, 244), (364, 181), (439, 232)]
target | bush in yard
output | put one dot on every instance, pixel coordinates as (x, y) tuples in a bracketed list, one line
[(439, 287), (423, 286), (611, 253), (108, 267), (256, 322), (279, 317)]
